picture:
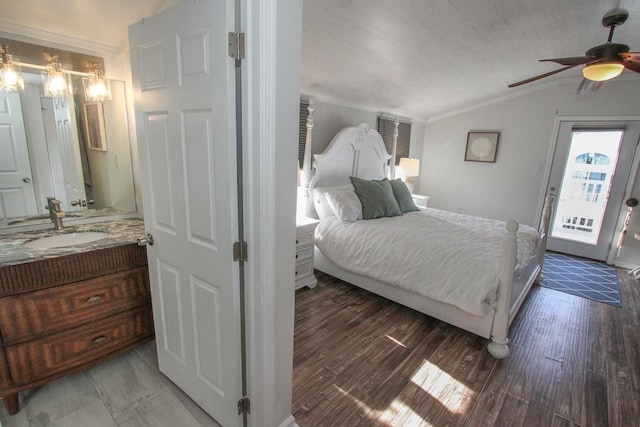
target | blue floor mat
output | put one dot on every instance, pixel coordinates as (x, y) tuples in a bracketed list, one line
[(582, 277)]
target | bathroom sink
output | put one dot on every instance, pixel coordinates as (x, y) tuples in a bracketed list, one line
[(64, 240)]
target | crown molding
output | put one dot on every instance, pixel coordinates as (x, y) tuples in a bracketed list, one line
[(37, 36), (516, 94)]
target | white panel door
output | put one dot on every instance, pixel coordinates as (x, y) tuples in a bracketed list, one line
[(68, 141), (184, 95), (17, 196), (64, 152)]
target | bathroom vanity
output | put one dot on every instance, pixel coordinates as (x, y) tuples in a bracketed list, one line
[(63, 310)]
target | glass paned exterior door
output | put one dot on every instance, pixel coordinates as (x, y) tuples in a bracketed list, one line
[(589, 171)]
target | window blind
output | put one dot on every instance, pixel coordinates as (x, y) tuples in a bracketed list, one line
[(302, 131), (385, 129)]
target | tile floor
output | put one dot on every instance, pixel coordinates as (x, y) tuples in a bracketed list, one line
[(126, 391)]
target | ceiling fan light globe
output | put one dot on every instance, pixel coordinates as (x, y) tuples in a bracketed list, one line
[(602, 71)]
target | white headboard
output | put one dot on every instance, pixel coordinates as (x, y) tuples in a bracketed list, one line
[(355, 151)]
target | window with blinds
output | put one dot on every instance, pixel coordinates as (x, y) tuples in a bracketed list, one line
[(385, 129), (302, 130)]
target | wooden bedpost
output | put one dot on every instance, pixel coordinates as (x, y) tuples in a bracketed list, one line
[(544, 232), (305, 173), (498, 346)]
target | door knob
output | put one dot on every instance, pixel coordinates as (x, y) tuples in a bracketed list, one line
[(146, 240), (26, 179)]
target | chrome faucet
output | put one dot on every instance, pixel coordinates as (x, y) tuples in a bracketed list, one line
[(55, 212)]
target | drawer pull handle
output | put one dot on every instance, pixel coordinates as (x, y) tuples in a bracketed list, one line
[(296, 256), (99, 340), (94, 298)]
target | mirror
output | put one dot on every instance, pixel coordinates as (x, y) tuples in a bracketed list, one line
[(73, 150)]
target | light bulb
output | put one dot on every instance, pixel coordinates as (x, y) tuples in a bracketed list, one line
[(96, 87), (57, 83), (10, 77)]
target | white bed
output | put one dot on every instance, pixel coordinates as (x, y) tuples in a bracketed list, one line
[(359, 151)]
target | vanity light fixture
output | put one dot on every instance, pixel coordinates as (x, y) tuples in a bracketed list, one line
[(96, 87), (10, 73), (56, 80)]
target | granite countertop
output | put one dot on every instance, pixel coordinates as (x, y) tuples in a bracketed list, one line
[(70, 217), (120, 231)]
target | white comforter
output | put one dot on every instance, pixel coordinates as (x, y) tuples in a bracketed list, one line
[(448, 257)]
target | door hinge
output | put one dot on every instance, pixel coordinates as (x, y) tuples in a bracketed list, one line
[(244, 406), (236, 45), (240, 251)]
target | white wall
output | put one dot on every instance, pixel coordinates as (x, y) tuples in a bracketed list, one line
[(332, 118), (514, 186), (114, 168)]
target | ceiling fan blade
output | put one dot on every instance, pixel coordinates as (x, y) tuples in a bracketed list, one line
[(630, 56), (573, 60), (541, 76), (633, 66), (587, 86)]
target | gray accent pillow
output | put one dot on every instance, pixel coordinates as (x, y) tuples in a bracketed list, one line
[(403, 196), (376, 197)]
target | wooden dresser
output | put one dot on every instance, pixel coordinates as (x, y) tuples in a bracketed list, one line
[(64, 314)]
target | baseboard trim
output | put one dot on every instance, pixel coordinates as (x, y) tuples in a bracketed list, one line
[(290, 421)]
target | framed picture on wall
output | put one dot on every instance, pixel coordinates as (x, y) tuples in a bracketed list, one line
[(482, 147), (94, 126)]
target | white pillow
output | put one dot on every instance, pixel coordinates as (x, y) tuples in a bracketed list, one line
[(345, 205), (322, 208)]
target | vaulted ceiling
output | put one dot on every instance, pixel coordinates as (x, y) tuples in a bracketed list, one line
[(418, 58), (425, 58)]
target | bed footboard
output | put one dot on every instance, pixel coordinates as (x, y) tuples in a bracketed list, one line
[(505, 309)]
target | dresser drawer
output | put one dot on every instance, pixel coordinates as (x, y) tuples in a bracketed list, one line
[(303, 239), (304, 269), (60, 308), (48, 356), (5, 378), (304, 253)]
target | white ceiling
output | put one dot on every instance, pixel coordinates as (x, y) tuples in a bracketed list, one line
[(417, 58), (425, 58), (100, 23)]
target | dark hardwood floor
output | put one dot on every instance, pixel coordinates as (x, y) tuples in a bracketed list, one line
[(362, 360)]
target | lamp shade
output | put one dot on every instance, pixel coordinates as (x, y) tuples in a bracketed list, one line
[(55, 83), (10, 75), (409, 167), (602, 71), (96, 87)]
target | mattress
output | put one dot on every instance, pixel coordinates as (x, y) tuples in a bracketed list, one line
[(448, 257)]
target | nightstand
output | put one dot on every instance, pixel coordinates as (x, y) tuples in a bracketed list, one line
[(420, 200), (305, 228)]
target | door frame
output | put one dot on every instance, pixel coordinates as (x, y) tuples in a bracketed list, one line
[(630, 179), (270, 107)]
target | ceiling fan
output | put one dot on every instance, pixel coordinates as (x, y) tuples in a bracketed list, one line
[(602, 62)]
